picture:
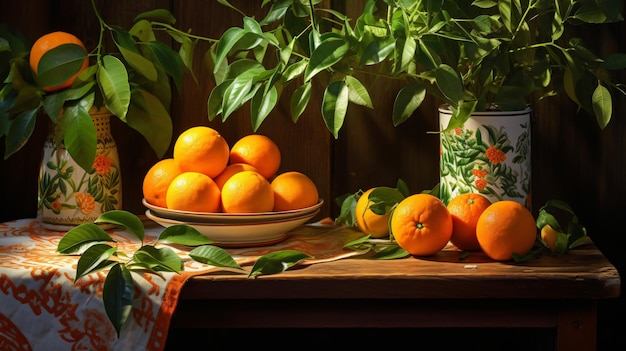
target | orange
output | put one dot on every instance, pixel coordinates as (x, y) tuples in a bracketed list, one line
[(50, 41), (377, 226), (259, 151), (465, 210), (158, 179), (549, 236), (230, 170), (421, 224), (293, 190), (201, 149), (193, 191), (506, 228), (247, 192)]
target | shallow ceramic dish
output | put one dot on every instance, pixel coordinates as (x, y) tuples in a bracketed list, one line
[(222, 218), (258, 233)]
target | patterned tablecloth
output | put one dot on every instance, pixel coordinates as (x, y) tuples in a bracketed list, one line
[(41, 308)]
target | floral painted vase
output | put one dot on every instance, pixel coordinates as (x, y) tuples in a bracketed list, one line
[(489, 154), (69, 195)]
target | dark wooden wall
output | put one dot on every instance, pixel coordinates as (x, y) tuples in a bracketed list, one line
[(573, 160)]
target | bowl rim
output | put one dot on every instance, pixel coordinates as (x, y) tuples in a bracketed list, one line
[(219, 217)]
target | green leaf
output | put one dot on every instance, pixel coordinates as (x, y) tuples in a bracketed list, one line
[(409, 98), (247, 67), (276, 262), (78, 239), (358, 241), (94, 258), (403, 188), (123, 219), (276, 11), (590, 13), (75, 93), (183, 234), (126, 45), (113, 81), (214, 102), (390, 252), (602, 105), (450, 83), (80, 135), (142, 29), (262, 104), (158, 259), (59, 64), (358, 94), (347, 214), (615, 62), (28, 98), (383, 199), (230, 37), (171, 61), (295, 70), (158, 15), (148, 116), (117, 295), (20, 130), (325, 55), (335, 106), (377, 50), (235, 95), (300, 100), (408, 54), (213, 255), (186, 54)]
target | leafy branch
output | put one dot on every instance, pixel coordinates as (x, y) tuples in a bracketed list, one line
[(471, 55), (98, 252)]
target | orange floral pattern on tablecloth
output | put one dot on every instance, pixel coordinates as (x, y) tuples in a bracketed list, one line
[(41, 308)]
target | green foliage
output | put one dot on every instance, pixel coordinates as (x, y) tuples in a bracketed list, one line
[(383, 200), (98, 252), (561, 217), (276, 262), (133, 82), (470, 55)]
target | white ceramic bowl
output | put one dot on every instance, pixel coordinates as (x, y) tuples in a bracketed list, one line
[(242, 234), (224, 218)]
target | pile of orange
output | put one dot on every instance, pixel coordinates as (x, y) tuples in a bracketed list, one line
[(205, 174), (422, 225)]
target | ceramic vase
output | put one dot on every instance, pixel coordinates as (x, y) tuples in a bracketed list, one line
[(489, 154), (69, 195)]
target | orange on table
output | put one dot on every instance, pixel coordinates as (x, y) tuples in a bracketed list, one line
[(201, 149), (247, 192), (48, 42), (506, 228), (421, 224), (193, 191), (549, 236), (465, 210), (293, 190), (158, 179), (377, 226), (230, 170), (259, 151)]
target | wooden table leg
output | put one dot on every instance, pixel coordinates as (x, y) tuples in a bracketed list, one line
[(577, 326)]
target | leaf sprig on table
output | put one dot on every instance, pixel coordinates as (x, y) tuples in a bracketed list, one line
[(93, 244)]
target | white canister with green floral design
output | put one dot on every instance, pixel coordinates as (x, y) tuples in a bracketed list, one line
[(489, 154), (69, 195)]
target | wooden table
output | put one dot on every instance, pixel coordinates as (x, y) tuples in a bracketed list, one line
[(439, 291)]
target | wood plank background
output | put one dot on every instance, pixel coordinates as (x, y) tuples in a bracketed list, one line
[(572, 159)]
